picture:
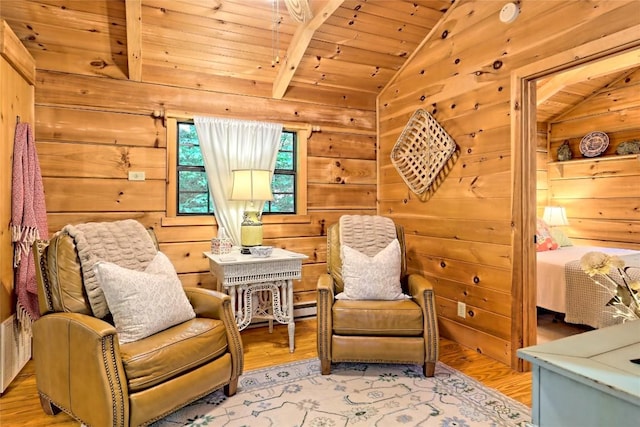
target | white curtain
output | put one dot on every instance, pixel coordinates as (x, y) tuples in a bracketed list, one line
[(229, 144)]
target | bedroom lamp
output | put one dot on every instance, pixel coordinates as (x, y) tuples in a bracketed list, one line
[(555, 216), (251, 185)]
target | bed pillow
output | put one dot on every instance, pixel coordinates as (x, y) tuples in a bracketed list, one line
[(143, 302), (544, 239), (559, 236), (371, 278)]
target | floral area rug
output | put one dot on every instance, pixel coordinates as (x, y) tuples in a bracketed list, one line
[(355, 394)]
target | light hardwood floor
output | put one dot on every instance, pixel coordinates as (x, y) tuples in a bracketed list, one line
[(20, 406)]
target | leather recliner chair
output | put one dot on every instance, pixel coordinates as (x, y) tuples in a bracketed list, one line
[(375, 331), (82, 369)]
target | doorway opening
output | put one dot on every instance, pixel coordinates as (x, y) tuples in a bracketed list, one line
[(524, 148)]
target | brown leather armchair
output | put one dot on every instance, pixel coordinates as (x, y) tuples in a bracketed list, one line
[(375, 331), (82, 369)]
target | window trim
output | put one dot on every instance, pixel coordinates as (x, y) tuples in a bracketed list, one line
[(172, 218)]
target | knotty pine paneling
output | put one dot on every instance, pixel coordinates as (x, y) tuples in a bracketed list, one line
[(476, 296), (340, 145), (99, 127), (110, 195), (90, 93), (91, 132), (598, 167), (462, 75), (542, 173), (341, 196), (326, 170), (484, 253), (480, 341), (63, 159), (17, 69), (497, 232), (490, 322), (601, 194)]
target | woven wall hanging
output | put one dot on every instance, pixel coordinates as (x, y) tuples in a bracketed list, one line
[(422, 151)]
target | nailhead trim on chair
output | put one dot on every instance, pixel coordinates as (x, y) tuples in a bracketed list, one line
[(41, 246), (110, 369), (431, 327), (237, 344), (323, 329)]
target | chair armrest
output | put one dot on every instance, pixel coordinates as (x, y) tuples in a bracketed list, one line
[(217, 305), (324, 301), (421, 289), (207, 302), (78, 366), (325, 284), (417, 285)]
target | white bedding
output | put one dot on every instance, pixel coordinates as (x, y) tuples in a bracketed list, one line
[(551, 280)]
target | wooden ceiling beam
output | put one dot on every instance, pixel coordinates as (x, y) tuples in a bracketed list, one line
[(549, 87), (298, 46), (134, 38)]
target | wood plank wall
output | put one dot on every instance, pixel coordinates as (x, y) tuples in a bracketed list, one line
[(601, 194), (17, 76), (91, 131), (461, 236), (542, 176)]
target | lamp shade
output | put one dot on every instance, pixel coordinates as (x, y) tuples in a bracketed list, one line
[(251, 185), (555, 216)]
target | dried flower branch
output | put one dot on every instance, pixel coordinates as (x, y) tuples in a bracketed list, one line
[(625, 297)]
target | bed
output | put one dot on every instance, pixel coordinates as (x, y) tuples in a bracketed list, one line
[(563, 287)]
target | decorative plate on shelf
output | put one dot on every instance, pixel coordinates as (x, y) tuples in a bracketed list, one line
[(594, 143)]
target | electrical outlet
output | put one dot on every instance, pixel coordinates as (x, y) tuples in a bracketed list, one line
[(136, 176), (462, 309)]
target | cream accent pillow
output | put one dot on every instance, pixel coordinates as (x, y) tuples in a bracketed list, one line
[(371, 278), (143, 302), (559, 236)]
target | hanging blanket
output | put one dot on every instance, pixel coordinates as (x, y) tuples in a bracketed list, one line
[(125, 243), (28, 221)]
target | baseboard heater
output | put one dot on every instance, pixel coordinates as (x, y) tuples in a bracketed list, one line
[(15, 350)]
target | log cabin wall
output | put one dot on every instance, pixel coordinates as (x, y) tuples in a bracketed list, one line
[(91, 131), (17, 76), (109, 72), (461, 237), (542, 176), (601, 194)]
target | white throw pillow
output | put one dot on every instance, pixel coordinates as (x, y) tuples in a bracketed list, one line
[(143, 302), (371, 278)]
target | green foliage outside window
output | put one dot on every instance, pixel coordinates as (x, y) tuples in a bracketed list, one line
[(193, 190)]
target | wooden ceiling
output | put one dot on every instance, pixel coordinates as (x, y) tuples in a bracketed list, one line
[(349, 49), (561, 93), (349, 46)]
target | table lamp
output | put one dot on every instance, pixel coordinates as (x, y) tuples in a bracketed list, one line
[(251, 185), (555, 216)]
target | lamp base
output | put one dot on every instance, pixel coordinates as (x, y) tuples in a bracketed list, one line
[(245, 251), (250, 230)]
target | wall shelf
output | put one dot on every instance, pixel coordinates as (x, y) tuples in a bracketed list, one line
[(596, 159)]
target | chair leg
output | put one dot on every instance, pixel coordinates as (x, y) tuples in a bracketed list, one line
[(231, 388), (429, 369), (48, 407), (325, 367)]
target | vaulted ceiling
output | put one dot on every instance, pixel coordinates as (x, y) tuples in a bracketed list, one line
[(351, 48), (354, 46)]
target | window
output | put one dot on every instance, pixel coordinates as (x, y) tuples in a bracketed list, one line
[(193, 197)]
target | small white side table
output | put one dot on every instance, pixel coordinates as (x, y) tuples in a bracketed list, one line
[(250, 280)]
